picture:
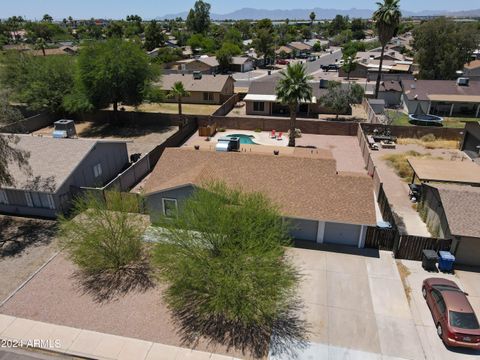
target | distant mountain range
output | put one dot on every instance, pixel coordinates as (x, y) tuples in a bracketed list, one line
[(303, 14)]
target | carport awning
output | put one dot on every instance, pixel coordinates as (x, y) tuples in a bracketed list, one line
[(260, 97), (455, 98), (462, 172)]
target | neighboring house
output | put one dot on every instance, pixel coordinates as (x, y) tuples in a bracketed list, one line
[(391, 93), (204, 64), (284, 50), (242, 64), (203, 89), (262, 99), (442, 97), (56, 168), (322, 205), (452, 212), (472, 70), (471, 141), (300, 48)]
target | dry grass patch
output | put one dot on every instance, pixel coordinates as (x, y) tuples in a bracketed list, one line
[(172, 108), (429, 141), (404, 273), (400, 164)]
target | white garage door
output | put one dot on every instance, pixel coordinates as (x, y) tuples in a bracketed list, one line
[(341, 234)]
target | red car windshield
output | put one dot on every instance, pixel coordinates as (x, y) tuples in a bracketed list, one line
[(463, 320)]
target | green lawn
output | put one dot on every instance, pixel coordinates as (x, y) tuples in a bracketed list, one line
[(402, 119)]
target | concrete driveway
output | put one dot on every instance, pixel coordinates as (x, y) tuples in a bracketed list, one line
[(433, 346), (356, 308)]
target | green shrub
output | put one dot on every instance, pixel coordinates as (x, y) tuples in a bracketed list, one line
[(258, 130), (428, 138), (103, 237), (221, 129)]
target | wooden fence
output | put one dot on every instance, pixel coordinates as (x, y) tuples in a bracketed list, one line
[(382, 239), (410, 247)]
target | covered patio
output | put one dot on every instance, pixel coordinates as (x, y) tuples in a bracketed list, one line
[(445, 171)]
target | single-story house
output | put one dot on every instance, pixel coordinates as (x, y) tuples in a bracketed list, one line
[(56, 167), (472, 70), (203, 89), (300, 48), (262, 99), (204, 64), (471, 140), (442, 97), (242, 64), (284, 50), (452, 212), (322, 205)]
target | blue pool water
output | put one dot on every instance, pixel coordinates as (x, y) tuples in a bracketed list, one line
[(244, 139)]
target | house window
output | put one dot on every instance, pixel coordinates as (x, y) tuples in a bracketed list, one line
[(3, 197), (97, 170), (169, 207), (40, 200), (259, 106), (207, 96)]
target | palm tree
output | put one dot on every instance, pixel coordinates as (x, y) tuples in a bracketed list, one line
[(178, 92), (292, 89), (387, 18)]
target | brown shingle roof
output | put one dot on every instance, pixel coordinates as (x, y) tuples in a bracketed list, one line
[(462, 209), (297, 45), (212, 83), (391, 86), (475, 64), (424, 88), (50, 158), (303, 187)]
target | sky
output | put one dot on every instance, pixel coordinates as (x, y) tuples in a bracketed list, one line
[(115, 9)]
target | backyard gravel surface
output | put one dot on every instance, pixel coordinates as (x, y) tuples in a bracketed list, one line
[(54, 296)]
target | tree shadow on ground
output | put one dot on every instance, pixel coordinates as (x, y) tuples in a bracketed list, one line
[(19, 234), (286, 335), (103, 130), (108, 286)]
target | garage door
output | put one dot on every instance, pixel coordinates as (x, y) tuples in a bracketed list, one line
[(342, 234), (468, 252), (303, 229)]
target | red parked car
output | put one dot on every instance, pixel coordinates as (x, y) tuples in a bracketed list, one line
[(283, 62), (456, 322)]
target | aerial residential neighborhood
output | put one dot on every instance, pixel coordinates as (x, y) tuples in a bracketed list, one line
[(212, 180)]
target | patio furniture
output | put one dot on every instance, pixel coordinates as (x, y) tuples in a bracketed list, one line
[(388, 144), (273, 135), (280, 136), (415, 191)]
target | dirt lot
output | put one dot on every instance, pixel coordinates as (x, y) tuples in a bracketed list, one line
[(172, 108), (140, 139), (30, 244)]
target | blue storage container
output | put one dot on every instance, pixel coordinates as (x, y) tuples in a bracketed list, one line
[(445, 261)]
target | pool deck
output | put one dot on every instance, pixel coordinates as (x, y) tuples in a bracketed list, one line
[(344, 149)]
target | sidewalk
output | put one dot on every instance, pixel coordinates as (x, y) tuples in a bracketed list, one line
[(91, 344)]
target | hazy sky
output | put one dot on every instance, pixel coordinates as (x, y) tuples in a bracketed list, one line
[(153, 8)]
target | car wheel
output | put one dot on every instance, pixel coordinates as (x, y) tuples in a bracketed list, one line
[(440, 331), (424, 292)]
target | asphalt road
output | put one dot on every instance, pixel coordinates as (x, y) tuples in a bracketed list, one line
[(312, 67)]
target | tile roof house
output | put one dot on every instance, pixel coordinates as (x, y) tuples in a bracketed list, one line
[(322, 204), (204, 64), (203, 89), (442, 97), (55, 168), (453, 212)]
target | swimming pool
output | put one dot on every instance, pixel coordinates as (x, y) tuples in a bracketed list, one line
[(244, 139)]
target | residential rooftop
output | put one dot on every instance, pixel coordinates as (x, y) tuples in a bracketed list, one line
[(212, 83), (302, 185), (435, 170), (441, 90)]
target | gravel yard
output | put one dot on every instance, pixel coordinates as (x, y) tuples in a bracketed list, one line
[(25, 245)]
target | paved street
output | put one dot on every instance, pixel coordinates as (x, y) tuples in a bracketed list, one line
[(244, 80)]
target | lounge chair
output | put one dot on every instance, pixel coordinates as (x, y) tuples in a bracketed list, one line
[(273, 135), (279, 137)]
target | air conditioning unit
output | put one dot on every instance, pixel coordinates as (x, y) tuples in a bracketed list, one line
[(197, 75), (463, 81), (64, 129)]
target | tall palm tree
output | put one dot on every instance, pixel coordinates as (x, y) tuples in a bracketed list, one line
[(292, 89), (387, 18), (178, 92)]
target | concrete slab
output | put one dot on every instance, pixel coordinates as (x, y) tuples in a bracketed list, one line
[(399, 338), (5, 321), (338, 353), (40, 330), (109, 346), (164, 352), (389, 298), (470, 282), (308, 259), (349, 291), (134, 349), (191, 354), (317, 318), (86, 342), (382, 267), (353, 329), (65, 335), (313, 287), (314, 351), (345, 263), (18, 328)]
